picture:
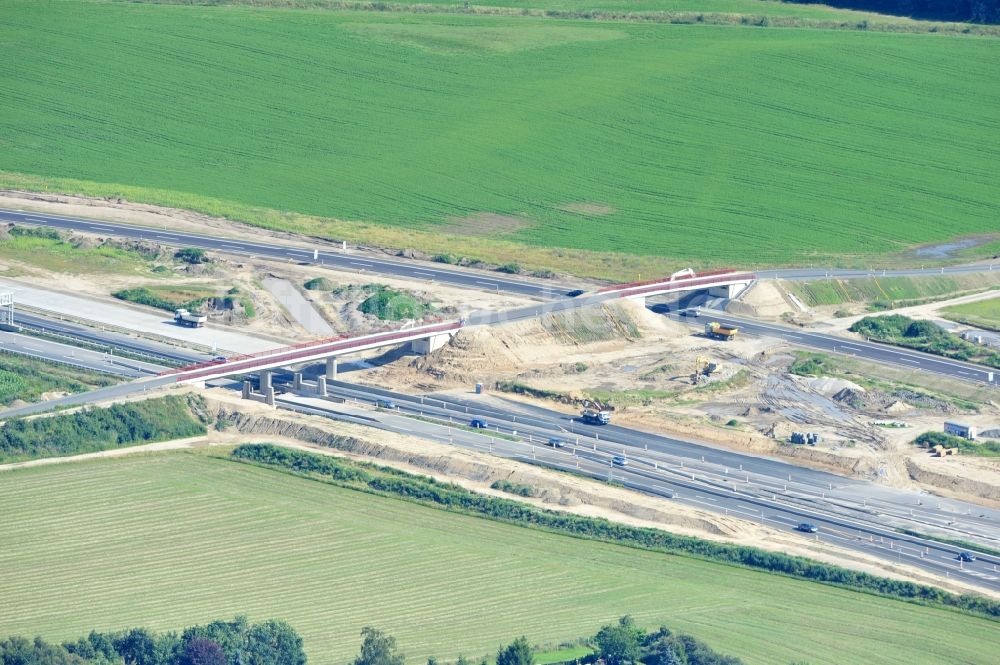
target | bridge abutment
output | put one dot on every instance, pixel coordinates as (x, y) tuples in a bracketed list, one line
[(430, 344)]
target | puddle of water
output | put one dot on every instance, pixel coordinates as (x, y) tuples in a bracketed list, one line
[(946, 249)]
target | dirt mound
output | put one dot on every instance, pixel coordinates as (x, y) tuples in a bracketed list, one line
[(550, 340), (762, 299), (828, 386), (892, 402)]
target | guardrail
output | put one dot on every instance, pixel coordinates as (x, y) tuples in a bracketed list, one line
[(668, 280), (700, 280)]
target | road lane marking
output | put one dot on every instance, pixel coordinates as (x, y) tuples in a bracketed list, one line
[(907, 360), (102, 228)]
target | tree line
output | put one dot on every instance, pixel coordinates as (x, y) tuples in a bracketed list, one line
[(392, 482), (236, 642), (972, 11), (273, 642)]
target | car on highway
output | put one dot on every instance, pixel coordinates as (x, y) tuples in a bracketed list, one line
[(807, 527), (619, 460), (385, 404), (967, 557), (219, 359), (556, 442), (478, 423)]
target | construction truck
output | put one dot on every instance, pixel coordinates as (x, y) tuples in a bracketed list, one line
[(595, 417), (717, 330), (189, 319)]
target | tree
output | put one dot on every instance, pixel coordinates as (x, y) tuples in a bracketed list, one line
[(517, 653), (619, 644), (203, 651), (273, 643), (377, 648), (137, 647)]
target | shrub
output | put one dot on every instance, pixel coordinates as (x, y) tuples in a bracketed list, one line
[(193, 255), (510, 268), (392, 305), (319, 284)]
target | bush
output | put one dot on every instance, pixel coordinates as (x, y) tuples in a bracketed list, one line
[(319, 284), (389, 304), (510, 268), (459, 499), (191, 255), (513, 488)]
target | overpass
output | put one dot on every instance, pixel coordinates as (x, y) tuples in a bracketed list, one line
[(726, 283), (428, 338)]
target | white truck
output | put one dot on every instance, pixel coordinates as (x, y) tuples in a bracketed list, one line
[(189, 319)]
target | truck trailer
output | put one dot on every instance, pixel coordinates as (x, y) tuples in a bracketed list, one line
[(717, 330), (189, 319), (595, 417)]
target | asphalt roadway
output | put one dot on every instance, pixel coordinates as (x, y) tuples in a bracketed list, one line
[(98, 361)]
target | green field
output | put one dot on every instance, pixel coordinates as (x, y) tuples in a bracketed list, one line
[(890, 291), (500, 137), (983, 313), (173, 539)]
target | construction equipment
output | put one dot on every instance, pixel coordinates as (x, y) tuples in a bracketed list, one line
[(595, 417), (189, 319), (717, 330), (703, 367)]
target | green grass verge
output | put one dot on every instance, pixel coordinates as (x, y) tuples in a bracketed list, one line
[(985, 448), (562, 655), (982, 314), (169, 297), (890, 292), (26, 378), (168, 540), (590, 141), (60, 256)]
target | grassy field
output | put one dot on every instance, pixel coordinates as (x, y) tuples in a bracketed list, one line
[(27, 378), (983, 313), (509, 136), (169, 540)]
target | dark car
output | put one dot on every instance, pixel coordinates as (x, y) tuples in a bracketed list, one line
[(807, 527), (219, 359), (619, 460), (385, 404), (556, 442), (968, 557), (478, 423)]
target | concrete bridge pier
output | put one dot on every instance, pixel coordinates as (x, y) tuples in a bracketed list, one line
[(321, 386), (430, 344), (297, 381), (266, 394), (331, 368)]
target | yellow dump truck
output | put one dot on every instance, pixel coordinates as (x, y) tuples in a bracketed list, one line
[(717, 330)]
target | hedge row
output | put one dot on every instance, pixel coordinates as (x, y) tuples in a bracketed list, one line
[(453, 497)]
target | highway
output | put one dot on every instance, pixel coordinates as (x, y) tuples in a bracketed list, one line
[(853, 514), (75, 332), (318, 254), (73, 356)]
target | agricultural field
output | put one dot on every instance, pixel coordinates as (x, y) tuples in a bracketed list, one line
[(27, 379), (982, 313), (172, 539), (586, 146)]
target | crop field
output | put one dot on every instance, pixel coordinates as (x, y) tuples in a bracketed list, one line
[(982, 313), (167, 540), (502, 136)]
